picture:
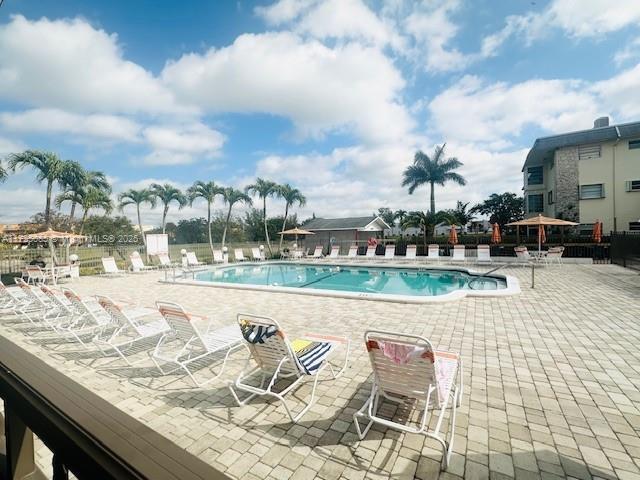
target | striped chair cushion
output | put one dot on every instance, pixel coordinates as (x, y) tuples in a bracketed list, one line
[(312, 357), (257, 333)]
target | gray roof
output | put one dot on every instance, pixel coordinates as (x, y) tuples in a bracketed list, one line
[(544, 146), (352, 223)]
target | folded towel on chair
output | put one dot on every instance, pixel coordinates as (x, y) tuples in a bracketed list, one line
[(397, 352), (257, 333)]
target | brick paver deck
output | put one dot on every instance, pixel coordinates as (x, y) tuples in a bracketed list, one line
[(552, 382)]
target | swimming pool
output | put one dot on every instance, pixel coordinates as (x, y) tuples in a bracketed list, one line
[(385, 283)]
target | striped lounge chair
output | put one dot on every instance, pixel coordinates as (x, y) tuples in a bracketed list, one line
[(278, 358)]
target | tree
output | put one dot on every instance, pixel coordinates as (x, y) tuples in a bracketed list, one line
[(460, 215), (400, 216), (48, 167), (291, 196), (232, 196), (264, 189), (387, 215), (3, 174), (137, 198), (208, 191), (501, 208), (75, 178), (194, 230), (109, 230), (424, 220), (432, 171), (92, 198), (167, 194)]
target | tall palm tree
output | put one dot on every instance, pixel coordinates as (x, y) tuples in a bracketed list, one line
[(72, 179), (167, 194), (49, 169), (94, 198), (264, 189), (291, 196), (435, 170), (208, 191), (232, 196), (137, 198), (400, 215)]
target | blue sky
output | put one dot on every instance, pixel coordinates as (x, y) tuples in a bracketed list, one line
[(332, 96)]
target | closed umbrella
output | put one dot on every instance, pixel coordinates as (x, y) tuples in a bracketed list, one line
[(453, 235), (597, 232), (496, 237)]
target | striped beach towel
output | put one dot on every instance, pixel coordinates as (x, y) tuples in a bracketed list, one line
[(312, 357)]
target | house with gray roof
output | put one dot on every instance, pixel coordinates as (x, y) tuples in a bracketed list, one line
[(343, 230), (586, 175)]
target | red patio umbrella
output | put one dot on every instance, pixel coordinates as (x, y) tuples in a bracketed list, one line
[(496, 237), (597, 232), (453, 235)]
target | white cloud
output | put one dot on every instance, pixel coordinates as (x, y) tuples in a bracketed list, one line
[(319, 88), (283, 11), (472, 110), (577, 19), (631, 51), (195, 138), (8, 146), (69, 64), (620, 94), (45, 120)]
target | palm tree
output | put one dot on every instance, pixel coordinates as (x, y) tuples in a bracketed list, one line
[(90, 198), (291, 195), (232, 196), (137, 198), (264, 189), (400, 215), (74, 179), (208, 191), (49, 169), (3, 174), (167, 194), (434, 171), (461, 215), (424, 220)]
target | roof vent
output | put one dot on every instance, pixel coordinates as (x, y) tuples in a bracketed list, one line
[(601, 122)]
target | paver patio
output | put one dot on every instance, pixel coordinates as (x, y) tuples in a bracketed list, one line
[(552, 382)]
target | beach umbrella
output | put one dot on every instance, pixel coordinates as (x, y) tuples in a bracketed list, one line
[(296, 231), (453, 235), (51, 236), (597, 232), (541, 220), (495, 235)]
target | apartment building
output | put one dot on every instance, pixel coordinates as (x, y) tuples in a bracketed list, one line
[(587, 175)]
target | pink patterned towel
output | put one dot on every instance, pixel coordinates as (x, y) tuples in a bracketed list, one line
[(398, 353)]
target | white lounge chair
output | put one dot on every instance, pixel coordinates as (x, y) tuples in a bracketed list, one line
[(110, 267), (165, 261), (192, 260), (137, 265), (411, 252), (238, 255), (371, 252), (218, 257), (277, 358), (335, 251), (458, 254), (483, 254), (129, 329), (522, 256), (554, 255), (256, 254), (35, 308), (433, 252), (36, 275), (406, 367), (317, 253), (11, 299), (184, 345), (88, 321), (353, 251), (389, 252)]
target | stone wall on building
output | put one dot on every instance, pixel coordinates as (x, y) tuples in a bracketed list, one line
[(566, 184)]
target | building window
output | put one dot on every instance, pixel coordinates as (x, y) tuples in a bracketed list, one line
[(633, 185), (586, 152), (633, 144), (585, 228), (535, 203), (534, 176), (588, 192), (550, 197), (634, 226)]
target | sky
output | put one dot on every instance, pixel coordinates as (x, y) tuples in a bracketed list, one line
[(333, 97)]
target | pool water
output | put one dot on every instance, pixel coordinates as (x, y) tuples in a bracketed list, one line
[(357, 279)]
